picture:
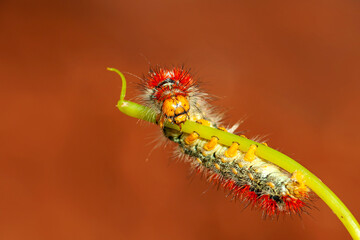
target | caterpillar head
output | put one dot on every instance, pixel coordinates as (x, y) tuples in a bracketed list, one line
[(176, 109), (169, 91)]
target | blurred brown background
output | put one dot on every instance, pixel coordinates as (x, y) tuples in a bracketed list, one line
[(73, 167)]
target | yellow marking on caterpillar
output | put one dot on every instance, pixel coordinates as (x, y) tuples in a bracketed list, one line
[(204, 122), (224, 160), (251, 176), (211, 144), (191, 138), (222, 129), (299, 188), (217, 166), (232, 150), (270, 184), (250, 155), (265, 144), (234, 171), (240, 164), (198, 160)]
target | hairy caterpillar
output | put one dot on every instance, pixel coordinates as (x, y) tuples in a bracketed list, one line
[(174, 95)]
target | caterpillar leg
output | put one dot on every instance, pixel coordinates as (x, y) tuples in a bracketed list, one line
[(211, 144), (204, 122), (191, 138), (250, 155), (222, 129), (231, 152)]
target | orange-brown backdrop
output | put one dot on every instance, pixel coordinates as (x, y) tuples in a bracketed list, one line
[(73, 167)]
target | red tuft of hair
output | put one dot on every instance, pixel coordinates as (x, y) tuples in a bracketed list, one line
[(283, 205), (182, 81)]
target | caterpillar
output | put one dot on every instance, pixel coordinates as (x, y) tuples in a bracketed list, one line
[(175, 96)]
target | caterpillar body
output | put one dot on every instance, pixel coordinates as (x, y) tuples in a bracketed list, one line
[(175, 96)]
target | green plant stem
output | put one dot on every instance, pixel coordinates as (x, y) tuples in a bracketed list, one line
[(315, 184)]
